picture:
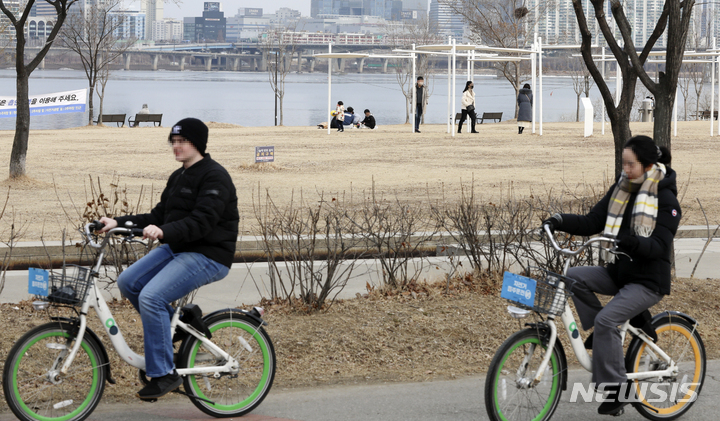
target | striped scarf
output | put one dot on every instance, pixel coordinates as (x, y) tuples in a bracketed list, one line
[(644, 211)]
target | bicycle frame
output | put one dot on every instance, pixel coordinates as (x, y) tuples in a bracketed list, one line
[(96, 300), (568, 321)]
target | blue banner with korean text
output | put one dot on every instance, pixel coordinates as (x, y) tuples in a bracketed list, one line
[(55, 103)]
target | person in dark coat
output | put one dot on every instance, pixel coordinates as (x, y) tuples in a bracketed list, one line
[(642, 212), (368, 121), (525, 101), (420, 101), (196, 221)]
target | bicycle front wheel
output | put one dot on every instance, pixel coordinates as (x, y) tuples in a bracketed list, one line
[(230, 394), (509, 394), (33, 386), (672, 397)]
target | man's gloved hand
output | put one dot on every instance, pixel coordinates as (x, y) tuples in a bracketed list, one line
[(555, 222), (627, 243)]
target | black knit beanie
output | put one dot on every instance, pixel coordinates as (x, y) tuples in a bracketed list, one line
[(193, 130)]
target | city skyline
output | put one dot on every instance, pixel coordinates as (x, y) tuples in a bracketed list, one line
[(195, 7)]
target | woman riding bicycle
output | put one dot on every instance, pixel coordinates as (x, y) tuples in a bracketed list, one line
[(197, 222), (642, 212)]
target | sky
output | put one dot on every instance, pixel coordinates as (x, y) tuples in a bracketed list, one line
[(195, 7)]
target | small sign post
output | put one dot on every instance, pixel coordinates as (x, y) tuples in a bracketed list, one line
[(264, 154)]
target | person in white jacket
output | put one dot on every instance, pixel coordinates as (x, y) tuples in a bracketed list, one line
[(468, 107)]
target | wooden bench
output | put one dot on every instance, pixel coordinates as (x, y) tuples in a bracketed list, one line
[(112, 118), (490, 116), (705, 115), (156, 119)]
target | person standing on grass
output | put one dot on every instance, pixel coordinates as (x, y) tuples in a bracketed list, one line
[(340, 116), (525, 101), (642, 212), (468, 107), (196, 221), (420, 92)]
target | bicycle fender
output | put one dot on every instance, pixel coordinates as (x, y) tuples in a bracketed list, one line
[(545, 330), (237, 310), (672, 313), (97, 340)]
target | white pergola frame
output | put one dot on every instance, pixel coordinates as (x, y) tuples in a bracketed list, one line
[(714, 53)]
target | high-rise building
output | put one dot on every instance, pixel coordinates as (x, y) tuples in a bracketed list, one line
[(132, 26), (447, 22), (167, 30), (321, 7), (154, 11), (7, 34), (210, 27)]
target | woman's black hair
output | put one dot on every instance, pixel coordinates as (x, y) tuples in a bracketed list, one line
[(467, 85), (351, 110), (526, 86), (647, 151), (340, 103)]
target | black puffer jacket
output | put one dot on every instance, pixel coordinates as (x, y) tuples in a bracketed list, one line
[(197, 212), (650, 265)]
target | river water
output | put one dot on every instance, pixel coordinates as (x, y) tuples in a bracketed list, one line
[(247, 99)]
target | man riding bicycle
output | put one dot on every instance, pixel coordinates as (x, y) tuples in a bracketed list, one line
[(196, 221)]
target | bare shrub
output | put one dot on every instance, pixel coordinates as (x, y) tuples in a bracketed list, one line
[(494, 235), (311, 249), (398, 233), (118, 201)]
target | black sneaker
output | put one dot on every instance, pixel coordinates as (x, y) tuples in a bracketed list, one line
[(160, 386), (417, 131)]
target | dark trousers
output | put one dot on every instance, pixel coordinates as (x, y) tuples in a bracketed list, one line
[(418, 115), (463, 117), (608, 362)]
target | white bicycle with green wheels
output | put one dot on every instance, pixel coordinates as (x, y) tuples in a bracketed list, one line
[(57, 371), (529, 371)]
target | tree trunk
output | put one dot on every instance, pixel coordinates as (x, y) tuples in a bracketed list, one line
[(663, 117), (577, 109), (621, 134), (280, 106), (22, 121), (22, 128), (91, 94)]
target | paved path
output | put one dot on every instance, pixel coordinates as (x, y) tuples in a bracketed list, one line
[(453, 400)]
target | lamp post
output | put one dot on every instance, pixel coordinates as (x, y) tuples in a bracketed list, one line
[(276, 87)]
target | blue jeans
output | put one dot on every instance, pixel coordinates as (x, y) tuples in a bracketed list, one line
[(155, 281)]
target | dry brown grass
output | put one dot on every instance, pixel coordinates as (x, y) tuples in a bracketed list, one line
[(425, 334), (428, 166)]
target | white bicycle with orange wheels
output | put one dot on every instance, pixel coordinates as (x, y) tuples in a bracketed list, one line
[(529, 371)]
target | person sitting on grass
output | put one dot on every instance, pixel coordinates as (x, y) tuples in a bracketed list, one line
[(368, 122)]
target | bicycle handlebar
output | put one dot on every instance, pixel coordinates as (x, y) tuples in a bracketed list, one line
[(97, 225), (573, 253)]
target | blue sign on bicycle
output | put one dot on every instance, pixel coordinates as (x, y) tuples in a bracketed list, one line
[(38, 282), (519, 289)]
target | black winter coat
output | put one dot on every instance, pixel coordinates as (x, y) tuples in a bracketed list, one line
[(650, 265), (197, 212)]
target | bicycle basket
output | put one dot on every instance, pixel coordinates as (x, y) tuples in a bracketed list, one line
[(543, 296), (70, 286)]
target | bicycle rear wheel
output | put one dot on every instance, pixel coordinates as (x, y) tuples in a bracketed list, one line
[(508, 393), (230, 394), (33, 388), (672, 397)]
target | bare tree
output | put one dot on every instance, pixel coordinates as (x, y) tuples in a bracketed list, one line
[(675, 18), (18, 19), (699, 77), (91, 34), (502, 23), (684, 87), (582, 82), (279, 46), (421, 33)]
